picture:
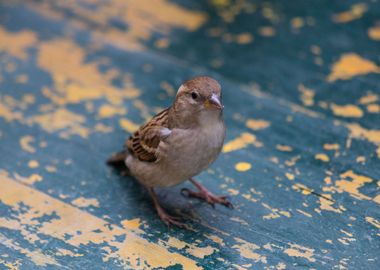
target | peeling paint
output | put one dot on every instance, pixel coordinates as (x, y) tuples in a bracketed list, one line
[(241, 142), (351, 65)]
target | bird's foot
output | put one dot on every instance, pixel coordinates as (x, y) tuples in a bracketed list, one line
[(207, 196), (165, 217), (170, 220)]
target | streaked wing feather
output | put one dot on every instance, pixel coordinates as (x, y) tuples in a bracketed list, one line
[(144, 142)]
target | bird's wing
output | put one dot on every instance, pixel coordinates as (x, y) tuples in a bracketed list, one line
[(143, 144)]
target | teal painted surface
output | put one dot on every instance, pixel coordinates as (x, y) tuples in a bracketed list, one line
[(327, 217)]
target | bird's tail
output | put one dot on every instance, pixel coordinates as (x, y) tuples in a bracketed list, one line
[(118, 160)]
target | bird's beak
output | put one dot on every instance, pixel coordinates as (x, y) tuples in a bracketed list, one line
[(213, 102)]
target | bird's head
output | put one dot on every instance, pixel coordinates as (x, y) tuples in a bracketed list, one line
[(199, 98)]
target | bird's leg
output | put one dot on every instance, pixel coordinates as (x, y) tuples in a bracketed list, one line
[(165, 217), (206, 195)]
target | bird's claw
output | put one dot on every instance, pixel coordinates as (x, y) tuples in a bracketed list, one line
[(171, 220), (208, 197)]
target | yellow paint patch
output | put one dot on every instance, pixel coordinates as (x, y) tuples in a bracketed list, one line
[(290, 176), (325, 204), (307, 95), (25, 143), (241, 142), (243, 166), (107, 111), (82, 81), (36, 256), (176, 243), (304, 213), (304, 189), (257, 124), (374, 32), (267, 31), (347, 110), (200, 252), (291, 162), (33, 164), (377, 199), (133, 224), (16, 44), (284, 148), (300, 251), (373, 108), (369, 98), (352, 187), (26, 180), (360, 159), (50, 168), (275, 213), (356, 12), (373, 221), (322, 157), (128, 125), (351, 65), (247, 249), (216, 239), (356, 131), (134, 251), (142, 20), (239, 220), (331, 146), (169, 89), (244, 38), (297, 22), (63, 120), (84, 202)]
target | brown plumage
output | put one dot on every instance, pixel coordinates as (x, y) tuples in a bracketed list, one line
[(144, 142), (178, 143)]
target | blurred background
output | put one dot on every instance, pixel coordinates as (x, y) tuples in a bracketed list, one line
[(301, 163)]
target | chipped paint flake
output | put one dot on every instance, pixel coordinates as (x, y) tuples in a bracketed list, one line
[(331, 146), (241, 142), (352, 187), (30, 180), (307, 95), (26, 144), (257, 124), (36, 256), (107, 111), (347, 110), (357, 131), (200, 252), (85, 202), (300, 251), (17, 44), (350, 65), (355, 12), (128, 125), (373, 221), (134, 251), (374, 32), (33, 164), (243, 166), (284, 148), (247, 250), (322, 157), (369, 98)]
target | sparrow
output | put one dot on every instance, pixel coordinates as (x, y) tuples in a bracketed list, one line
[(178, 143)]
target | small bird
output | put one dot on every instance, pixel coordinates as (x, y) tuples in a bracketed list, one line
[(178, 143)]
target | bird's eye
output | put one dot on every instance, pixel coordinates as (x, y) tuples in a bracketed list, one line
[(194, 95)]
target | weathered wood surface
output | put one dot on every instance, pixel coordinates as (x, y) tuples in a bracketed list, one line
[(301, 160)]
